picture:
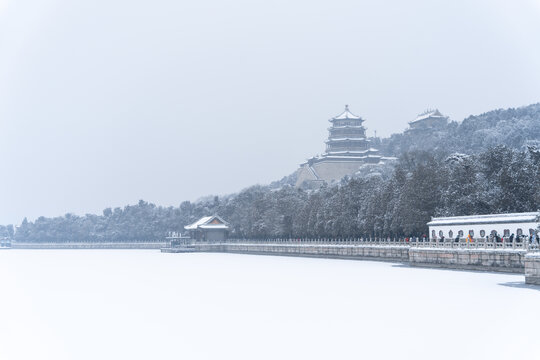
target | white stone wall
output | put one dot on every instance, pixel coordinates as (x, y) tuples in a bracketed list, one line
[(469, 259), (336, 170), (532, 268), (507, 260), (328, 171), (389, 252), (304, 174)]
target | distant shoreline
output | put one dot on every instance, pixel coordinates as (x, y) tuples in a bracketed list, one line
[(94, 245)]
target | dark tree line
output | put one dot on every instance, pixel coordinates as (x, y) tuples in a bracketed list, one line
[(422, 185), (7, 231)]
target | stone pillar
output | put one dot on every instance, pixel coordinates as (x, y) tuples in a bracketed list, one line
[(532, 268)]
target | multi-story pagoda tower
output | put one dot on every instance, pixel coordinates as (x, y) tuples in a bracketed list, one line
[(347, 135), (347, 148)]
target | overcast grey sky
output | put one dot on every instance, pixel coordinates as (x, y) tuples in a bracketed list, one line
[(103, 103)]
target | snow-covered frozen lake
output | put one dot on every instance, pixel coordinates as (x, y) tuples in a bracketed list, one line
[(118, 304)]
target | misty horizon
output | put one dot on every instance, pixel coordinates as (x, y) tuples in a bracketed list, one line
[(211, 196), (107, 103)]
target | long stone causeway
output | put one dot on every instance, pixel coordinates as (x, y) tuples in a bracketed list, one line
[(510, 257), (88, 245), (521, 258)]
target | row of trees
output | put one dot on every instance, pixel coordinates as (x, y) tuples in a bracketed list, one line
[(7, 231), (422, 185)]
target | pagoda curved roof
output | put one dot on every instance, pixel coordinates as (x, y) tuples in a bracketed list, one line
[(347, 114)]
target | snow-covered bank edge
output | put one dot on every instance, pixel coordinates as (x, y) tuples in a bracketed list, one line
[(496, 260)]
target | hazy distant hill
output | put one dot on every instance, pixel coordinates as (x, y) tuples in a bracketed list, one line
[(479, 166), (513, 128)]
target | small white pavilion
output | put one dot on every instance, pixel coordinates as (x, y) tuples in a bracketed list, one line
[(208, 228), (480, 226)]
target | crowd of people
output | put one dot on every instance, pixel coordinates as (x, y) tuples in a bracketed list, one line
[(494, 237)]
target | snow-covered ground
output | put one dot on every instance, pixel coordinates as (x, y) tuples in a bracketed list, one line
[(117, 304)]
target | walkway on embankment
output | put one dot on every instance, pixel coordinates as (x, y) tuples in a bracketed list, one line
[(509, 257)]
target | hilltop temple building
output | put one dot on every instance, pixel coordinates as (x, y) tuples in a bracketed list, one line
[(428, 120), (347, 148)]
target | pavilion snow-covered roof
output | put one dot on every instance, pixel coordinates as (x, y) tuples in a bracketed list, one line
[(208, 222)]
